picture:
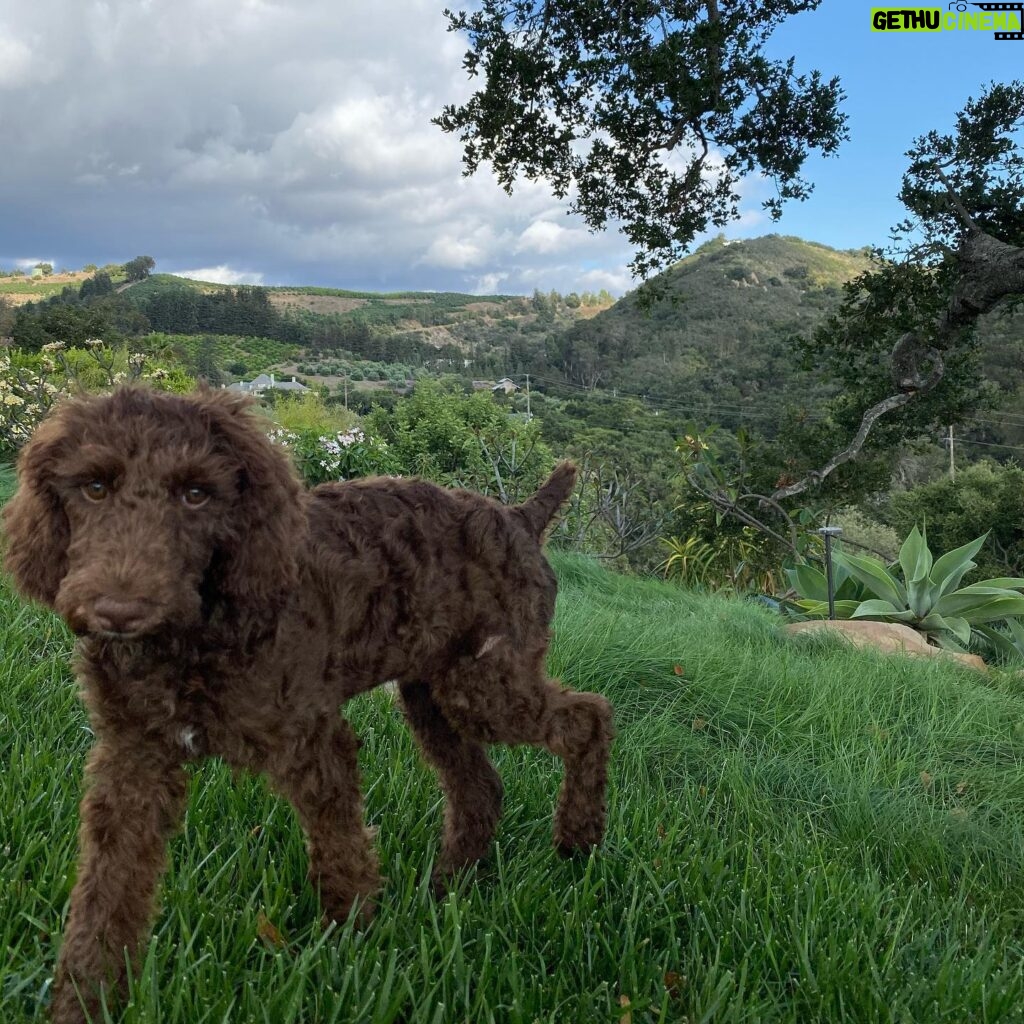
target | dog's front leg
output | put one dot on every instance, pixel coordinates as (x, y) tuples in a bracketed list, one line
[(134, 798)]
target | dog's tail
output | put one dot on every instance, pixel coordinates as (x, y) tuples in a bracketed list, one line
[(540, 509)]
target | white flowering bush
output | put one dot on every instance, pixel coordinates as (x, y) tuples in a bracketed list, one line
[(339, 456), (26, 396), (31, 384)]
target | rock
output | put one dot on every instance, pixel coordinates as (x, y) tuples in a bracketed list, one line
[(888, 637)]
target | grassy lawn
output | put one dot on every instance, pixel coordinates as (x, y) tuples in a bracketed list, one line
[(798, 833)]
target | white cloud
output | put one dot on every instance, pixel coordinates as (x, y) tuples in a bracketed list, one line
[(453, 253), (221, 275), (544, 236), (15, 61), (293, 137), (488, 284)]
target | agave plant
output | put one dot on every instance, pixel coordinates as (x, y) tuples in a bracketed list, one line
[(925, 595), (812, 586)]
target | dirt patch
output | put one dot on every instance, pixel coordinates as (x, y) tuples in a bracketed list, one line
[(436, 337), (21, 298), (586, 312), (487, 308), (32, 289), (315, 303)]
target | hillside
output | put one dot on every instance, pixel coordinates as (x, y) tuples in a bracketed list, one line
[(712, 338), (716, 328)]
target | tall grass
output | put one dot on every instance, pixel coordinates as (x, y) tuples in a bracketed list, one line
[(798, 833)]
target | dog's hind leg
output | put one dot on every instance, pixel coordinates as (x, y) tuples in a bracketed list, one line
[(472, 788), (506, 696), (320, 776)]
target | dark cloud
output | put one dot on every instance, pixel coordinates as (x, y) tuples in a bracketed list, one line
[(287, 143)]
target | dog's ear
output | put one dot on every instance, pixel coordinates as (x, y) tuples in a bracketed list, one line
[(35, 524), (259, 554)]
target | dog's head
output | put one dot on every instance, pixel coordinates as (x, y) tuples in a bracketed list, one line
[(137, 510)]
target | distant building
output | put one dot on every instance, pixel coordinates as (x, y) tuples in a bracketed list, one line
[(267, 382), (507, 385)]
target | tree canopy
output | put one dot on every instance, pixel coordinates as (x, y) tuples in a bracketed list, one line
[(139, 268), (647, 114), (904, 341)]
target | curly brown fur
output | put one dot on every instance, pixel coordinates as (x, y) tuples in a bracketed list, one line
[(223, 610)]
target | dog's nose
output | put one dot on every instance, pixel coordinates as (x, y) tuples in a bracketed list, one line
[(113, 615)]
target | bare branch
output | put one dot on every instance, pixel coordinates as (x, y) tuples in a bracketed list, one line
[(875, 413)]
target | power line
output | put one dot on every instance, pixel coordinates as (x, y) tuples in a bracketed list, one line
[(986, 444), (667, 404)]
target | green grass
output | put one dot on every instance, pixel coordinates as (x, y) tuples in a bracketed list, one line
[(24, 286), (798, 833)]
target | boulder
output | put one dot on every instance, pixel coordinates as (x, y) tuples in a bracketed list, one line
[(888, 637)]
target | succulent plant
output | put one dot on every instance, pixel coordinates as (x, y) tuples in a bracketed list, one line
[(921, 591)]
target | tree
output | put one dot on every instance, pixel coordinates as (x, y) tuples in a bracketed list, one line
[(904, 339), (6, 317), (98, 284), (139, 268), (904, 342), (648, 114)]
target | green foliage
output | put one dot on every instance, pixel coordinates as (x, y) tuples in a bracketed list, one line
[(341, 456), (70, 324), (983, 498), (920, 591), (464, 440), (740, 562), (183, 309), (592, 99), (309, 413), (99, 284), (254, 353), (711, 338), (30, 383), (981, 163), (688, 561), (26, 396), (139, 268)]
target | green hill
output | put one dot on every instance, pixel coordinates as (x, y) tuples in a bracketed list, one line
[(714, 330)]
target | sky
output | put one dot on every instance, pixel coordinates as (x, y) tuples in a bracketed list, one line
[(248, 141)]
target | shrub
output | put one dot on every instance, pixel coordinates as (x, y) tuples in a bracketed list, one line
[(340, 456), (984, 498)]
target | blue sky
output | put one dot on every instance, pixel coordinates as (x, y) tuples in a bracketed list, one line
[(899, 85), (290, 143)]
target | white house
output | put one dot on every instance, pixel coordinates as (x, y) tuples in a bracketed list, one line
[(267, 382)]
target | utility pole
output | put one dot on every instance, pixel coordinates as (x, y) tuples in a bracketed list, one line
[(528, 416), (952, 465)]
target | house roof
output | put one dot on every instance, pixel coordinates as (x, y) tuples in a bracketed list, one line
[(266, 382)]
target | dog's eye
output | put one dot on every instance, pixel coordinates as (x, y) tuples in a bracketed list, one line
[(195, 497), (96, 490)]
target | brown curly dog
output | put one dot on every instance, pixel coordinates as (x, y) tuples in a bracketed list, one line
[(222, 610)]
